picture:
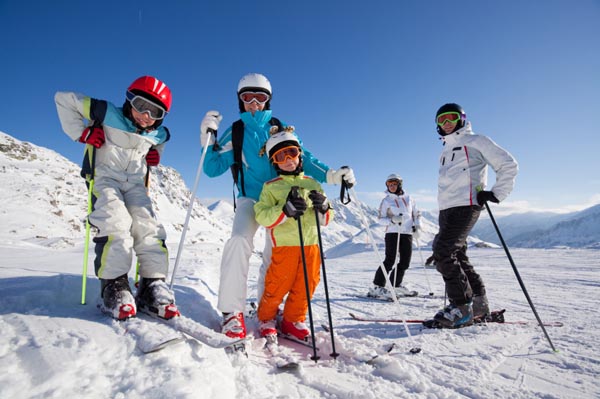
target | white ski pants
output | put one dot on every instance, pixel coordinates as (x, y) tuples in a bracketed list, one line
[(233, 287), (125, 221)]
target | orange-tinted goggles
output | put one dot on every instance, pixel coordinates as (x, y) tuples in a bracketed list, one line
[(291, 152), (452, 117)]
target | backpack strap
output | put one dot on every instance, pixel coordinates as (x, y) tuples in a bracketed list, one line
[(237, 138)]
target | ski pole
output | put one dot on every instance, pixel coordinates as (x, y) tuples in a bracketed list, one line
[(314, 357), (423, 263), (514, 267), (387, 280), (333, 354), (190, 207), (88, 148)]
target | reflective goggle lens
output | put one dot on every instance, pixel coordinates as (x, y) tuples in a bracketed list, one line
[(453, 117), (396, 182), (288, 152), (143, 106), (259, 97)]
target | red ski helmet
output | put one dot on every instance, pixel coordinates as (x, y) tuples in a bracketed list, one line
[(153, 89)]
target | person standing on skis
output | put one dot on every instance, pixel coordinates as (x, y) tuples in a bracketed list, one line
[(123, 143), (399, 213), (461, 195), (254, 95), (282, 201)]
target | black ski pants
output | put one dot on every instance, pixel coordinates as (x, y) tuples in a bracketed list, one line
[(450, 254), (391, 249)]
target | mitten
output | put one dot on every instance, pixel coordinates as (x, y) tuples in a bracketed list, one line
[(319, 201), (93, 136), (152, 157)]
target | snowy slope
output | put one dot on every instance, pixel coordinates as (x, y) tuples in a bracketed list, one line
[(51, 346)]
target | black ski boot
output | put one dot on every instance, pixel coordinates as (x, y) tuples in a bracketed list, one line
[(117, 300), (155, 298)]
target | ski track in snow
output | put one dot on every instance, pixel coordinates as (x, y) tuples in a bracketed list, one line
[(53, 347)]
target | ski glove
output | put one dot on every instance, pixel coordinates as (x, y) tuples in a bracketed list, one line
[(344, 173), (210, 121), (152, 157), (294, 206), (319, 201), (485, 196), (93, 136)]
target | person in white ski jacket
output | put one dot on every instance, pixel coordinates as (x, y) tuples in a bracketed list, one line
[(461, 194), (122, 144), (399, 213)]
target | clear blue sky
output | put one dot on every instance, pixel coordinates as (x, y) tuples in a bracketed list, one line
[(361, 81)]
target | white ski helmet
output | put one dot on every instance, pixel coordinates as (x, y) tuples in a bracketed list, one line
[(280, 140), (394, 176), (254, 82)]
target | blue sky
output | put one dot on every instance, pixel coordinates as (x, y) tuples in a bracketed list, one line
[(361, 82)]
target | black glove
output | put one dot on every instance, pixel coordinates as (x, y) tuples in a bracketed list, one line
[(485, 196), (295, 205), (414, 229), (319, 201)]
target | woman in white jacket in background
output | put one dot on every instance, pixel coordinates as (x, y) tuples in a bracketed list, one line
[(402, 218)]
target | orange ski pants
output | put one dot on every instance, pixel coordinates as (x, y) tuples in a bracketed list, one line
[(286, 275)]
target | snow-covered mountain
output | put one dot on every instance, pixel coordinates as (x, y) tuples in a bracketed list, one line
[(543, 229)]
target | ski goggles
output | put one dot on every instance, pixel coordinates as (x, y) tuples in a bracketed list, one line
[(256, 96), (281, 156), (394, 181), (145, 106), (452, 117)]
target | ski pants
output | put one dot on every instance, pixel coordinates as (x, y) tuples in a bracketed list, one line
[(450, 254), (122, 213), (391, 249), (235, 262), (286, 275)]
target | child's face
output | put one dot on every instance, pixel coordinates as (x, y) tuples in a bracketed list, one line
[(289, 164), (143, 120)]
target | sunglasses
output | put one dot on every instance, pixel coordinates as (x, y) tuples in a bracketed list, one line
[(256, 96), (282, 155), (452, 117), (145, 106)]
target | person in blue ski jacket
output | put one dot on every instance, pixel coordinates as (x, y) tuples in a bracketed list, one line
[(254, 97)]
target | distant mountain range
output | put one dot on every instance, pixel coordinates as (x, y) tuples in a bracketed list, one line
[(44, 201)]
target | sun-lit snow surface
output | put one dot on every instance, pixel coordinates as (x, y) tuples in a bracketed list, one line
[(51, 346)]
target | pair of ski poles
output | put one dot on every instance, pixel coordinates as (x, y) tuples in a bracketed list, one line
[(333, 354)]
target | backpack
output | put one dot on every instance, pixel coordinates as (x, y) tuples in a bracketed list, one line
[(237, 138)]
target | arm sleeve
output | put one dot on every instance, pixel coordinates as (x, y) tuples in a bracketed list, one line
[(218, 162), (505, 166), (267, 211)]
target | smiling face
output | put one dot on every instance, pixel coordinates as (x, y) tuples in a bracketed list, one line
[(142, 119)]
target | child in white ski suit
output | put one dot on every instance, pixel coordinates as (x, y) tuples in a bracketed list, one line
[(122, 144)]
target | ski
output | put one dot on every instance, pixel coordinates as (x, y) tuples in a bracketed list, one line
[(282, 361), (149, 339), (196, 331), (497, 316)]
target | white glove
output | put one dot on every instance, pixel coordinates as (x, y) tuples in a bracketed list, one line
[(210, 121), (397, 219), (415, 231), (345, 173)]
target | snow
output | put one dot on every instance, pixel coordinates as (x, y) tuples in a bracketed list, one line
[(51, 346)]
